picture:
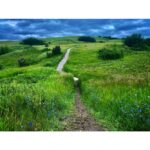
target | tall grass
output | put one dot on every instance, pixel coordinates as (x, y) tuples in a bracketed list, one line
[(119, 107), (36, 106), (116, 92), (34, 97)]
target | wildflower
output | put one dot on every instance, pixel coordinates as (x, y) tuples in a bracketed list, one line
[(30, 124)]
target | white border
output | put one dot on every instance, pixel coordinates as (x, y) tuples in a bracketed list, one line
[(74, 9), (74, 141)]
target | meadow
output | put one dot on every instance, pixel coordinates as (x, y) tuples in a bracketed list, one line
[(37, 98), (34, 97), (116, 92)]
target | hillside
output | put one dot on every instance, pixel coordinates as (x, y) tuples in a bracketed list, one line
[(36, 97)]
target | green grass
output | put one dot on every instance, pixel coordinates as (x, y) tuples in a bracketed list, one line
[(36, 97), (116, 92), (35, 101), (33, 97)]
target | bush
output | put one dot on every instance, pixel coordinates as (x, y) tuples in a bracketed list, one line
[(21, 62), (86, 39), (48, 54), (101, 42), (147, 41), (110, 54), (135, 41), (32, 41), (25, 62), (56, 50), (46, 45), (4, 50)]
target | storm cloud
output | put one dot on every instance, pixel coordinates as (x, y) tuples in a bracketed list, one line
[(17, 29)]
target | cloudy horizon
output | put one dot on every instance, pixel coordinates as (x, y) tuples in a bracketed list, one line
[(17, 29)]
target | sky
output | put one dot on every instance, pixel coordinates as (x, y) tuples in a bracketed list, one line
[(18, 29)]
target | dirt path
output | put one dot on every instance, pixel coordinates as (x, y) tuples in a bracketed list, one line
[(63, 61), (81, 119)]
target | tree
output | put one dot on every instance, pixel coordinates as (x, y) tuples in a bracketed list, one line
[(86, 39), (56, 50), (4, 50), (32, 41), (135, 41), (46, 45), (147, 41)]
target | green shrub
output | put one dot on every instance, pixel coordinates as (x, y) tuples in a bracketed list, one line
[(25, 62), (4, 50), (56, 50), (147, 41), (108, 54), (48, 54), (32, 41), (101, 42), (21, 62), (46, 45), (135, 41), (87, 39)]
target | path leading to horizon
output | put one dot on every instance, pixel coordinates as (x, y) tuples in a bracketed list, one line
[(63, 61), (81, 119)]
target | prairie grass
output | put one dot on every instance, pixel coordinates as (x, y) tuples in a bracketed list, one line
[(35, 100), (34, 97), (116, 92)]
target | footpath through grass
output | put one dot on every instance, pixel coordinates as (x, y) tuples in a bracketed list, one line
[(116, 92)]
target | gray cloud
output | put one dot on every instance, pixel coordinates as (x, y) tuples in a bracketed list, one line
[(16, 29)]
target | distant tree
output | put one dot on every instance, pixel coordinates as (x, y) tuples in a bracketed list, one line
[(56, 50), (46, 44), (87, 39), (32, 41), (4, 50), (147, 41), (135, 41)]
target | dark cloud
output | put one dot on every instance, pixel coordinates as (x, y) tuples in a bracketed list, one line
[(15, 29)]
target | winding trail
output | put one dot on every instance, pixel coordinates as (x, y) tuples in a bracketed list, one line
[(63, 61), (81, 119)]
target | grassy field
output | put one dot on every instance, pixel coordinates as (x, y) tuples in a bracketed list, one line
[(116, 92), (36, 97)]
